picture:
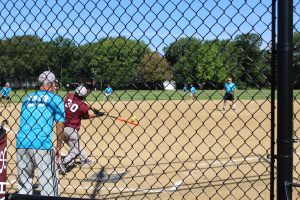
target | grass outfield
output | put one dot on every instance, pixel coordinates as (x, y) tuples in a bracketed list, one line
[(138, 95)]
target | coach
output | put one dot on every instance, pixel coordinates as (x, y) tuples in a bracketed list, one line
[(34, 139)]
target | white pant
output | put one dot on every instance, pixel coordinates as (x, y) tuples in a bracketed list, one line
[(44, 161), (72, 138)]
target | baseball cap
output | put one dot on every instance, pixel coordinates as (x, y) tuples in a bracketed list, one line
[(81, 91), (47, 77)]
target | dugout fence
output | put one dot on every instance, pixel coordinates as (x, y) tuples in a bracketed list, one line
[(155, 141)]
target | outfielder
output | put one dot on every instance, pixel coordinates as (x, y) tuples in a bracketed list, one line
[(76, 110), (107, 92), (229, 88), (193, 92), (6, 90), (185, 87)]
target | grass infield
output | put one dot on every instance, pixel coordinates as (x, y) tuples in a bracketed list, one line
[(139, 95)]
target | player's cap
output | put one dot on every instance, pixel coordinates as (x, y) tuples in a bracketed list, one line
[(81, 91), (47, 77)]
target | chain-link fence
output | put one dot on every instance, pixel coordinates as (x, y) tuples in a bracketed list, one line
[(296, 95), (183, 89)]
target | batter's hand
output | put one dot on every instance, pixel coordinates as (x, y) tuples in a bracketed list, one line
[(98, 113)]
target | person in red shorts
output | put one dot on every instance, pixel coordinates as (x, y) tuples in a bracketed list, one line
[(76, 110)]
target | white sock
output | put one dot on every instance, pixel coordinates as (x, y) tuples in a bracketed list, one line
[(233, 106)]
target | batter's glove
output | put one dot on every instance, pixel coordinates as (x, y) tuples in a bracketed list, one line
[(98, 113)]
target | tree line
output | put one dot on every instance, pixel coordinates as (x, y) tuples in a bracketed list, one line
[(126, 63)]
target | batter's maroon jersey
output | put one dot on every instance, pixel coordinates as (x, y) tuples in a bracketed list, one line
[(75, 109)]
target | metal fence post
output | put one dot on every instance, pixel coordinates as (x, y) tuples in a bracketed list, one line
[(273, 90), (285, 99)]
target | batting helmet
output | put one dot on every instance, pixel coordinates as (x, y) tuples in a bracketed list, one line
[(81, 91)]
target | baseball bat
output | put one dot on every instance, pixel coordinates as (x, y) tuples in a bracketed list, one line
[(122, 119), (132, 121)]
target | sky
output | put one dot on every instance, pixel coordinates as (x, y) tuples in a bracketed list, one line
[(158, 23)]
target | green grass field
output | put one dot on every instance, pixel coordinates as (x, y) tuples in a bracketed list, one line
[(138, 95)]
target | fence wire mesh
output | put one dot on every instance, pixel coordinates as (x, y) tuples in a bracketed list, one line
[(296, 98), (165, 131)]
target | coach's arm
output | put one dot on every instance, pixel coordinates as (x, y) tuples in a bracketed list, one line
[(60, 137)]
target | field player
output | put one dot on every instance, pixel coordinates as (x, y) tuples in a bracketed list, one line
[(229, 90), (76, 110), (193, 92), (6, 90), (108, 92)]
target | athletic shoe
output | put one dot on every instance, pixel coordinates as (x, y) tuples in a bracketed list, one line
[(62, 168), (87, 161)]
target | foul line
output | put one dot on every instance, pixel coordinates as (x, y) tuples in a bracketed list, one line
[(126, 189), (227, 162)]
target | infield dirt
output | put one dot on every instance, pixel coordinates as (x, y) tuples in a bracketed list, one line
[(180, 150)]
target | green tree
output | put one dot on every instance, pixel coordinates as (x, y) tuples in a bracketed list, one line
[(250, 60), (61, 56), (154, 68), (182, 55), (195, 61), (22, 57), (296, 56), (114, 60), (213, 62)]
